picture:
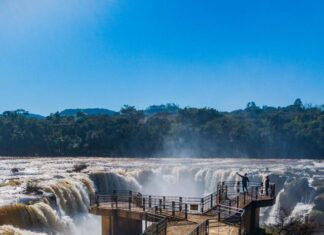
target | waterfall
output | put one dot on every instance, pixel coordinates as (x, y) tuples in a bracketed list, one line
[(301, 210), (59, 203), (38, 216), (10, 230), (71, 205), (107, 181), (72, 195), (274, 212)]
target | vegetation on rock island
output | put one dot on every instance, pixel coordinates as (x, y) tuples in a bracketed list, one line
[(294, 131)]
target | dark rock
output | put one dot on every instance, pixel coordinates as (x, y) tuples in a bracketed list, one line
[(317, 217), (297, 190), (319, 191), (79, 167), (32, 188), (319, 202), (14, 170)]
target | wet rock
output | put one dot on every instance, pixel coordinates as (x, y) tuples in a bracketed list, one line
[(318, 182), (317, 217), (279, 180), (14, 170), (319, 202), (78, 168), (32, 188), (319, 191), (58, 177), (297, 190)]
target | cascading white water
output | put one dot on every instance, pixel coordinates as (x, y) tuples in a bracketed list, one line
[(301, 210), (10, 230), (185, 177), (274, 211)]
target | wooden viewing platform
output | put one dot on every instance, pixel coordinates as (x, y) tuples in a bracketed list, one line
[(227, 211)]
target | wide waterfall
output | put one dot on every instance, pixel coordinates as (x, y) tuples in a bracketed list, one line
[(48, 196)]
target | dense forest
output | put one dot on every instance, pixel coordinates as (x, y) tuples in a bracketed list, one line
[(167, 130)]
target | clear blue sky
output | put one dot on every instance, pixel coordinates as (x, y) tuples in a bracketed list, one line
[(57, 54)]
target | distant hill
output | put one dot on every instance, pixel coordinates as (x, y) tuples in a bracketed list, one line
[(88, 111), (22, 112), (34, 116)]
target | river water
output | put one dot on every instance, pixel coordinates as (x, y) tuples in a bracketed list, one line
[(27, 212)]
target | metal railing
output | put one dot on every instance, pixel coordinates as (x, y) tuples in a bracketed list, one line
[(191, 205), (225, 205), (201, 229), (158, 227)]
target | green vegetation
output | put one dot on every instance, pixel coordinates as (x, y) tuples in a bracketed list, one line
[(292, 131)]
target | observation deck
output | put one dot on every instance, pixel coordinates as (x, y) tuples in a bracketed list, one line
[(227, 211)]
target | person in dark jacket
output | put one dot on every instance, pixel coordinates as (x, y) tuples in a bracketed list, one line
[(245, 181), (267, 185)]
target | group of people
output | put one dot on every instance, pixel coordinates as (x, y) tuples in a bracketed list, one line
[(245, 181)]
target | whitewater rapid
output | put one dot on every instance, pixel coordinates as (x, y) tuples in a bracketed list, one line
[(67, 213)]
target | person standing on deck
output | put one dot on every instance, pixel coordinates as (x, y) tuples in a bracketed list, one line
[(267, 185), (245, 181)]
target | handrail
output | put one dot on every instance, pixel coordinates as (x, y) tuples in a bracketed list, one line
[(201, 229), (226, 204), (157, 228)]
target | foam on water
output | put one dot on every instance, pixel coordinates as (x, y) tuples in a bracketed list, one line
[(176, 176), (301, 210)]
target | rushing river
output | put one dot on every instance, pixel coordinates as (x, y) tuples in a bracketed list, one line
[(28, 185)]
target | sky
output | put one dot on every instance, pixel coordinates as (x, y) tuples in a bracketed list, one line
[(57, 54)]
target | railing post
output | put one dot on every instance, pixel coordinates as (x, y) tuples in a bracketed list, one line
[(211, 201), (186, 211), (207, 227), (256, 192), (238, 187), (219, 214), (156, 209), (150, 201), (261, 188), (219, 196), (145, 221), (115, 198), (202, 205), (244, 197), (229, 208), (97, 197), (180, 204), (237, 201), (143, 203), (173, 208), (160, 205), (226, 188), (163, 202), (129, 202)]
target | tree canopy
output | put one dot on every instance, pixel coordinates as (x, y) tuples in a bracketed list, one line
[(263, 132)]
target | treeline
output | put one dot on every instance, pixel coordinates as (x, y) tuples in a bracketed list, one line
[(292, 131)]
